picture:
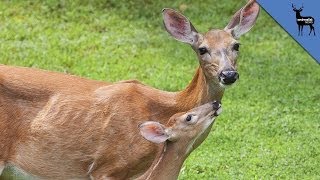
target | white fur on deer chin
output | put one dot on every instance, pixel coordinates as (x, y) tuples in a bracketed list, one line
[(224, 86)]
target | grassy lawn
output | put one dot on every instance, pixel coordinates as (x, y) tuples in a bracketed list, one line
[(270, 127)]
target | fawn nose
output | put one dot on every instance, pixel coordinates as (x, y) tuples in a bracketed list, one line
[(229, 76), (216, 107)]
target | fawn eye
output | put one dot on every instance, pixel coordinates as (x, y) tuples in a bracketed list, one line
[(203, 50), (236, 47), (189, 117)]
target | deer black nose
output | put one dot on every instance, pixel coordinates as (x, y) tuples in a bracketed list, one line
[(229, 77), (216, 105)]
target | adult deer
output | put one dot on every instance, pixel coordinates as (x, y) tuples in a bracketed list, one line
[(177, 137), (59, 126), (303, 21)]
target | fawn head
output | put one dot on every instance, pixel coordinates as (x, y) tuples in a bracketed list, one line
[(217, 50), (183, 128)]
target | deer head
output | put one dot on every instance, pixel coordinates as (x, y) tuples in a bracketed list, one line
[(179, 137), (217, 50), (183, 129)]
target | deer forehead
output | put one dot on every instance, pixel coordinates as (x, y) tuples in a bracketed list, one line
[(217, 39), (174, 119)]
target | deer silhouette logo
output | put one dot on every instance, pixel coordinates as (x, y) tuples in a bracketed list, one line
[(303, 21)]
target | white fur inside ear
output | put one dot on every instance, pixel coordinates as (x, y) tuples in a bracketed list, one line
[(244, 19), (153, 131), (179, 27), (248, 17)]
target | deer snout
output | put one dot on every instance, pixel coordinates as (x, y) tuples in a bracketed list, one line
[(216, 107), (228, 76)]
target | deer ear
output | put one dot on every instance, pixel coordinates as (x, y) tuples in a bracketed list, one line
[(153, 131), (244, 19), (179, 27)]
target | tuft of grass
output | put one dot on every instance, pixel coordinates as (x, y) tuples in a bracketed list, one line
[(270, 125)]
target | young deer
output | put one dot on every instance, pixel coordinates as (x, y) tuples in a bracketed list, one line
[(177, 137), (60, 126)]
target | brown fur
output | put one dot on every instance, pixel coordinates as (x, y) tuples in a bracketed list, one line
[(180, 137), (59, 126)]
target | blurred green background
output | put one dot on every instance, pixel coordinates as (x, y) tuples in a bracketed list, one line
[(270, 127)]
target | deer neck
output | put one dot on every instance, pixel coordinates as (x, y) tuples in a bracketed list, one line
[(298, 16), (200, 91), (167, 165)]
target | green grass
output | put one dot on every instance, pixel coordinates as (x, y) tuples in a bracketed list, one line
[(270, 127)]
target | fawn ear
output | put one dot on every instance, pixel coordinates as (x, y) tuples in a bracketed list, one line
[(153, 131), (244, 19), (179, 27)]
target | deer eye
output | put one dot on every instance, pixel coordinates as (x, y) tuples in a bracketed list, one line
[(188, 118), (203, 50), (236, 47)]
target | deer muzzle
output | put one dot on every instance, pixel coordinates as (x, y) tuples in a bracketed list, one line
[(228, 77)]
